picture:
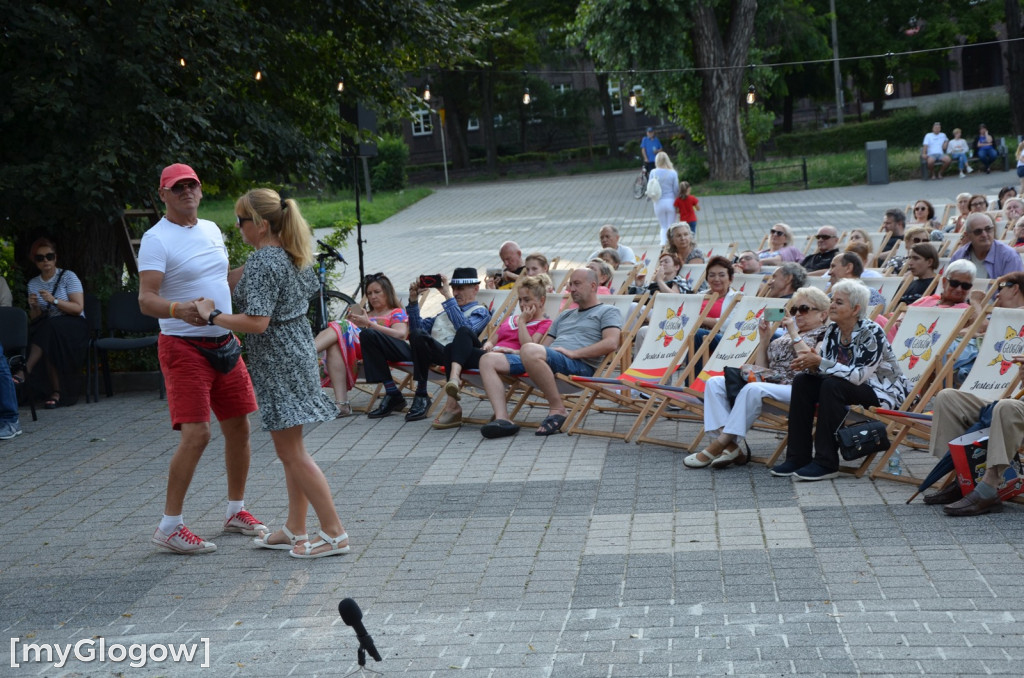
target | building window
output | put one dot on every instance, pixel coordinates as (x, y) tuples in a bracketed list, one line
[(472, 123), (422, 124), (615, 93)]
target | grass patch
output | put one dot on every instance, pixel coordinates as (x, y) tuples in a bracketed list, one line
[(327, 212), (823, 171)]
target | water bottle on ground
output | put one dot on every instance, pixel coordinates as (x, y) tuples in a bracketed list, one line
[(895, 466)]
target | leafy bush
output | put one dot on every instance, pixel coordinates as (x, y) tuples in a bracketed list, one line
[(388, 169), (903, 129)]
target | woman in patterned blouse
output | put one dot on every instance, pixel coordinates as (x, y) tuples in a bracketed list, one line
[(854, 366), (771, 376)]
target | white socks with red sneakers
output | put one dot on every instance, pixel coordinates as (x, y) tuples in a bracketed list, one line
[(168, 523), (233, 508)]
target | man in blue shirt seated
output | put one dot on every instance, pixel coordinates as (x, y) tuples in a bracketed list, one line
[(994, 258), (427, 339)]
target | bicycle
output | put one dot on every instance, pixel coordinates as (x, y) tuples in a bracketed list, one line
[(640, 185), (327, 304)]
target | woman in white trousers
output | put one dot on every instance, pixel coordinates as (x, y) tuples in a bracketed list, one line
[(664, 207)]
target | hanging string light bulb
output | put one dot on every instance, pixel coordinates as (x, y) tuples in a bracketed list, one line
[(341, 85), (259, 75), (890, 87), (181, 62), (751, 95), (426, 92), (526, 91), (632, 90)]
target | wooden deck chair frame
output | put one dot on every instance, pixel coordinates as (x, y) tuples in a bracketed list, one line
[(690, 400), (919, 429), (663, 308), (694, 274), (716, 249), (750, 284)]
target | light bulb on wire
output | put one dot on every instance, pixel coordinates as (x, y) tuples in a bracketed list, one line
[(890, 88), (426, 92), (258, 76), (526, 97), (751, 95), (181, 62), (632, 99), (341, 85)]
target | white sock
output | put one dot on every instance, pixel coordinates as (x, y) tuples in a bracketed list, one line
[(234, 507), (169, 523)]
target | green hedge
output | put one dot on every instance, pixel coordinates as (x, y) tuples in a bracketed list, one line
[(903, 129), (388, 170)]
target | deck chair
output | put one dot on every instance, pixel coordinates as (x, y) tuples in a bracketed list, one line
[(559, 278), (739, 341), (714, 249), (821, 282), (749, 284), (890, 287), (633, 313), (673, 321), (622, 278), (993, 376), (693, 274)]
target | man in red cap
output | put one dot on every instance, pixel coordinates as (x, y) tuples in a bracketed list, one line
[(183, 259)]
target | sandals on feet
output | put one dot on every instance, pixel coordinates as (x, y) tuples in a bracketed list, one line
[(293, 539), (551, 425), (448, 420), (451, 387), (344, 408), (54, 401), (334, 542)]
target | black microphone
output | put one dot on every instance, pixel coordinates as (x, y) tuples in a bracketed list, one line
[(353, 616), (333, 252)]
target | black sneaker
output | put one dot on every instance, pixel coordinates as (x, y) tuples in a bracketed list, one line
[(786, 468)]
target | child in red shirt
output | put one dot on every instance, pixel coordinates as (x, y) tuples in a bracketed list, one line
[(687, 206)]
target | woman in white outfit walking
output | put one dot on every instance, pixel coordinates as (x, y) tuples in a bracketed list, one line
[(664, 207)]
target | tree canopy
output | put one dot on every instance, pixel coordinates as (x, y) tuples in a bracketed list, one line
[(100, 94)]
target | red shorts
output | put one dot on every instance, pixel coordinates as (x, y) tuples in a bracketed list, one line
[(194, 387)]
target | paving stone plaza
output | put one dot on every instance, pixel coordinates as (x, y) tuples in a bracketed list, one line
[(563, 557)]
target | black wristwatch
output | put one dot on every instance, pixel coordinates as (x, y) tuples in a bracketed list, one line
[(213, 314)]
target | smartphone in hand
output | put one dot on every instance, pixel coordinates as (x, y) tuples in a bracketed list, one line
[(774, 315), (428, 281)]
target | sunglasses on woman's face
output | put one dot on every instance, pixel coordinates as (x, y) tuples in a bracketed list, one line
[(374, 277), (801, 309), (774, 232), (49, 256), (918, 240), (1005, 285), (957, 283), (921, 208)]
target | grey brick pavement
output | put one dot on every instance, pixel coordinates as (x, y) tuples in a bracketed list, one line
[(563, 557)]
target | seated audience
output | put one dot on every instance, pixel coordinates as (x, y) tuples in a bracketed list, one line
[(10, 424), (1013, 208), (427, 339), (786, 280), (682, 244), (924, 215), (380, 311), (994, 257), (59, 333), (747, 262), (1018, 235), (780, 247), (923, 265), (1005, 193), (984, 147), (665, 278), (512, 266), (956, 220), (770, 376), (978, 203), (915, 235), (894, 223), (604, 275), (515, 331), (610, 257), (864, 252), (609, 237), (536, 264), (955, 412), (577, 342), (855, 366), (933, 151), (848, 266), (817, 262), (959, 151), (955, 284)]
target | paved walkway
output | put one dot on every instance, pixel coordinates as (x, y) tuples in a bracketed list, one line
[(562, 557)]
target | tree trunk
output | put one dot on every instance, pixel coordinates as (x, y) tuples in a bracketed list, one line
[(787, 114), (1015, 65), (609, 119), (722, 85)]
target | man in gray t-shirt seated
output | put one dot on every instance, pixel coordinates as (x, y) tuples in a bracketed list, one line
[(577, 342)]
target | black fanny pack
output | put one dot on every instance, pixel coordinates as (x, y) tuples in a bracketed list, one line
[(222, 358)]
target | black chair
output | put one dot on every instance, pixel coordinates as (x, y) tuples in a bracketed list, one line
[(94, 316), (124, 316), (14, 337)]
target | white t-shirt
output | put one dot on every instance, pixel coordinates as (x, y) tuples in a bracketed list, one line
[(934, 142), (194, 262), (957, 146)]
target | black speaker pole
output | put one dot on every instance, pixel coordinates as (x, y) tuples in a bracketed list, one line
[(359, 226)]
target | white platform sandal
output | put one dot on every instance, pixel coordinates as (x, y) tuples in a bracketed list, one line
[(334, 542), (293, 539)]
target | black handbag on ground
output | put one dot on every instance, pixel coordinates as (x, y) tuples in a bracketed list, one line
[(856, 441), (222, 358)]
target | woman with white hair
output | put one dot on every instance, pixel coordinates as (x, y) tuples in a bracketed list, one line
[(770, 376), (780, 247), (665, 206), (854, 366)]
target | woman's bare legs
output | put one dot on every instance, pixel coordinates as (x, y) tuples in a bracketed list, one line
[(328, 341), (452, 405), (306, 486)]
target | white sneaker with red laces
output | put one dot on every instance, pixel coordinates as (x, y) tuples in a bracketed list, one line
[(182, 541), (245, 523)]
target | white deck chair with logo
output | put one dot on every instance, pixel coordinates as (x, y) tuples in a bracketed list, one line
[(739, 340), (748, 283), (672, 322)]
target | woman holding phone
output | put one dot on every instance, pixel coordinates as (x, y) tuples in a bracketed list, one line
[(339, 343)]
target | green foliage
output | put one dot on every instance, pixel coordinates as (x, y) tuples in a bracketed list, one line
[(757, 125), (904, 129), (689, 159), (388, 169)]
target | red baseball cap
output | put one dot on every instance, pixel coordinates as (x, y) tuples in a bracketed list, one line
[(172, 174)]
